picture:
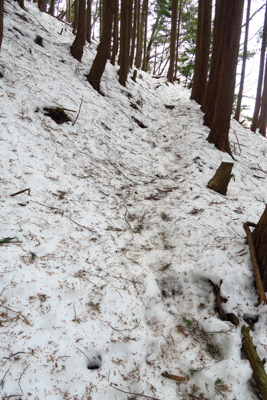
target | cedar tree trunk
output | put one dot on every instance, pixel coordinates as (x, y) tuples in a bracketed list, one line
[(144, 66), (88, 21), (115, 33), (211, 91), (173, 40), (126, 6), (263, 115), (219, 134), (202, 50), (241, 86), (103, 50), (133, 34), (77, 46), (259, 88)]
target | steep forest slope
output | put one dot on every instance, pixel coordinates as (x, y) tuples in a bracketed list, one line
[(107, 258)]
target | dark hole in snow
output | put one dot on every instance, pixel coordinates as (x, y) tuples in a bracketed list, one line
[(39, 40), (95, 363), (139, 123), (169, 107), (57, 114)]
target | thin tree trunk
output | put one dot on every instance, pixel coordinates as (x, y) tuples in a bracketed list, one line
[(202, 50), (134, 34), (1, 21), (219, 134), (124, 41), (177, 41), (103, 50), (259, 88), (41, 5), (115, 33), (241, 86), (173, 40), (75, 19), (209, 101), (88, 21), (259, 236), (144, 66), (77, 46), (68, 11), (263, 115), (140, 36)]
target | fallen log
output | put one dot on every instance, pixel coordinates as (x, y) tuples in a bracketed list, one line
[(256, 363), (256, 270)]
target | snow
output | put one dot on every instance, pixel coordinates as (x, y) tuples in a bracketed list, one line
[(118, 237)]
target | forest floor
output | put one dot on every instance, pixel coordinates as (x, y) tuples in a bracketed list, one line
[(107, 258)]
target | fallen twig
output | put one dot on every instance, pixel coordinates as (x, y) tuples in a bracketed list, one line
[(21, 191), (174, 377), (78, 112), (133, 393)]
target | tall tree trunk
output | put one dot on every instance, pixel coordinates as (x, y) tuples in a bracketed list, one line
[(101, 17), (219, 134), (140, 36), (241, 86), (177, 41), (263, 115), (77, 46), (126, 7), (209, 101), (173, 40), (68, 11), (103, 50), (144, 66), (260, 79), (51, 10), (134, 34), (88, 21), (1, 21), (202, 50), (75, 18), (115, 33)]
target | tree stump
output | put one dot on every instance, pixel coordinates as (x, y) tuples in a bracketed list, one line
[(219, 182), (259, 236)]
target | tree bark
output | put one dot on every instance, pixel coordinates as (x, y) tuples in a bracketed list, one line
[(138, 57), (219, 134), (211, 91), (68, 11), (75, 18), (260, 79), (241, 86), (115, 33), (103, 50), (1, 21), (21, 4), (220, 180), (177, 40), (77, 46), (170, 73), (202, 50)]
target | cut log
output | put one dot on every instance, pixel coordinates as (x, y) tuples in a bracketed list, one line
[(219, 182), (256, 363), (256, 270), (259, 236)]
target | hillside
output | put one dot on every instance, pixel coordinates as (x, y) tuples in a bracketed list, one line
[(106, 283)]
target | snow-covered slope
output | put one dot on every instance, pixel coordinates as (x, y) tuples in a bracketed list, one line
[(118, 237)]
